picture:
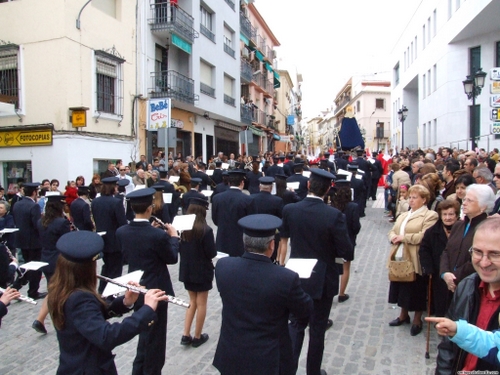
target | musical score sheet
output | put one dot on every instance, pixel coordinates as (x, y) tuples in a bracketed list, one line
[(301, 266)]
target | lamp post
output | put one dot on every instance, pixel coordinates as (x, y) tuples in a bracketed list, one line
[(402, 113), (473, 85)]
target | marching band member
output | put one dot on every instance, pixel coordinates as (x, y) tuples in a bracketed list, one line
[(79, 314)]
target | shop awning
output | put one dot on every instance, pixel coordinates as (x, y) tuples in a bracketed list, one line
[(256, 131), (259, 55), (244, 39), (277, 82)]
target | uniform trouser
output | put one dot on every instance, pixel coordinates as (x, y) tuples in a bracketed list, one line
[(33, 277), (152, 345), (317, 326), (112, 267), (374, 187)]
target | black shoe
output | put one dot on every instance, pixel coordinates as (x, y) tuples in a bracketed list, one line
[(397, 322), (329, 324), (322, 372), (343, 298), (186, 340), (39, 327), (198, 342), (415, 329), (38, 296)]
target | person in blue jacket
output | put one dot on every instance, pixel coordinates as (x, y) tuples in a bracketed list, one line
[(483, 344), (79, 314)]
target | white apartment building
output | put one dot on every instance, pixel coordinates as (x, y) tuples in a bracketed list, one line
[(443, 43), (189, 53)]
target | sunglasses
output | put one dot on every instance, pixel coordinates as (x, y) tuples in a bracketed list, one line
[(122, 170), (497, 175)]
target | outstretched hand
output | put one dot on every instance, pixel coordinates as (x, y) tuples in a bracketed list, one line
[(444, 326)]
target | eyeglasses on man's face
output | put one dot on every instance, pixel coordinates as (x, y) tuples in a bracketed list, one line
[(477, 254)]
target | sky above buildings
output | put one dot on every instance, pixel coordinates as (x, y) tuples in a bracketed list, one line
[(328, 41)]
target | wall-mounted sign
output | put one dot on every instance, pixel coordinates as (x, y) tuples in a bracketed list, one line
[(495, 74), (179, 124), (24, 138), (495, 128), (495, 115), (290, 120), (78, 117), (159, 113), (495, 87), (495, 101)]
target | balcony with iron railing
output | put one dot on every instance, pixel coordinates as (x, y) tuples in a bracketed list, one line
[(230, 3), (246, 71), (245, 26), (246, 114), (229, 100), (207, 90), (261, 44), (168, 17), (227, 48), (205, 31), (342, 103), (172, 84)]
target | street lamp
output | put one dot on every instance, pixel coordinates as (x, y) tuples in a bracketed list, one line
[(473, 85), (402, 113)]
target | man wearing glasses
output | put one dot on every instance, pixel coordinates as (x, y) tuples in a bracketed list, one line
[(476, 300), (123, 176)]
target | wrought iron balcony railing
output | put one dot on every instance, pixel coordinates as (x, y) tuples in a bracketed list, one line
[(246, 114), (230, 3), (168, 16), (229, 100), (246, 71), (207, 90), (172, 84), (245, 26), (205, 31)]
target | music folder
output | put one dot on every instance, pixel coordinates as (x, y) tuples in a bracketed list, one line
[(301, 266), (33, 266), (183, 222), (167, 198)]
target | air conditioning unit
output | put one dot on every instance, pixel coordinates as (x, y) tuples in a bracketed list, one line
[(274, 54), (245, 12), (245, 53)]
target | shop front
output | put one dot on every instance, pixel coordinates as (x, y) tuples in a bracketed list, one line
[(226, 138)]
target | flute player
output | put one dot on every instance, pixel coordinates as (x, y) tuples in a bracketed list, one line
[(80, 315)]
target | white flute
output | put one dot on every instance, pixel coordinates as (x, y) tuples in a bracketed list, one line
[(22, 298), (171, 299)]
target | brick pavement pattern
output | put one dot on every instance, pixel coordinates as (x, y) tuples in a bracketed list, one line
[(360, 341)]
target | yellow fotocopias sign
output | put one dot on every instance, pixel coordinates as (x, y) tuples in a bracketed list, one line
[(22, 138)]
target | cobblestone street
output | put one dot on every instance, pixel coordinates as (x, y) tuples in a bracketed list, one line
[(360, 341)]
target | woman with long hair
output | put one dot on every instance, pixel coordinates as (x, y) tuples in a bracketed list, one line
[(95, 186), (160, 209), (342, 201), (196, 270), (50, 228), (79, 313)]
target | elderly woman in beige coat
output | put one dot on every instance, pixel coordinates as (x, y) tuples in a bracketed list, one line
[(407, 233)]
